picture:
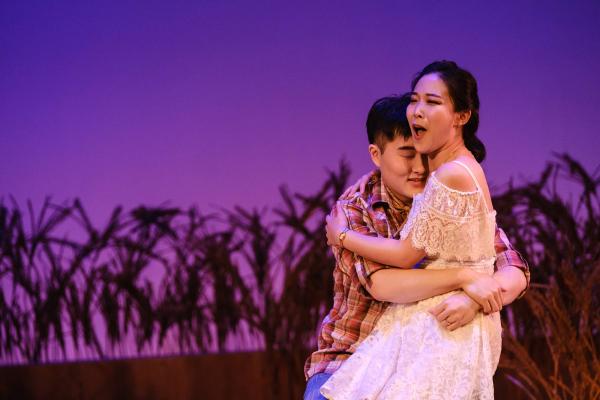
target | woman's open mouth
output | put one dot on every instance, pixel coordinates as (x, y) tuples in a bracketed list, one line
[(418, 131)]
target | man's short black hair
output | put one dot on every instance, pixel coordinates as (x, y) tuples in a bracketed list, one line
[(387, 120)]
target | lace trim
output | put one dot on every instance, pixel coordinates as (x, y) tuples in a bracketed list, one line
[(450, 224)]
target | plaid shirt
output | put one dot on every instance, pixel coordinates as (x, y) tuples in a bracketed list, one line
[(355, 312)]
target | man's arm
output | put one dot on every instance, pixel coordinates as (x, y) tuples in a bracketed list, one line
[(406, 286), (512, 274), (512, 271)]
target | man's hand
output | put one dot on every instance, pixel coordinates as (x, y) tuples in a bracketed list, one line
[(358, 187), (484, 290), (456, 311)]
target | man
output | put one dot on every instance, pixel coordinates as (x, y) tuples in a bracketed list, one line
[(363, 288)]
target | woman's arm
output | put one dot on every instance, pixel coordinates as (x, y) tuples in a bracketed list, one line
[(408, 285), (396, 253)]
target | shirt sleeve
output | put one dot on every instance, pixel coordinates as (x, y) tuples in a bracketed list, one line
[(507, 256), (359, 221)]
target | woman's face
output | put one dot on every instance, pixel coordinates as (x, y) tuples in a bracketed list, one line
[(431, 115)]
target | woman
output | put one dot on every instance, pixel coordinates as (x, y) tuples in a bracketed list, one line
[(451, 224)]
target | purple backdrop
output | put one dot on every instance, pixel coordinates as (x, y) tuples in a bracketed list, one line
[(204, 103)]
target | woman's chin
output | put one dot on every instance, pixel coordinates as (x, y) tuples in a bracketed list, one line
[(422, 147)]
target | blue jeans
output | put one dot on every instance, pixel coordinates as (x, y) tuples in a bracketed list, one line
[(314, 385)]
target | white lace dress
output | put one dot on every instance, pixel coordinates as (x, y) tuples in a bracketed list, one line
[(409, 355)]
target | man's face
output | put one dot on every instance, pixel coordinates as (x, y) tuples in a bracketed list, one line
[(403, 170)]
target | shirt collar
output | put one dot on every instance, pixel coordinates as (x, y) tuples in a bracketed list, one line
[(380, 195)]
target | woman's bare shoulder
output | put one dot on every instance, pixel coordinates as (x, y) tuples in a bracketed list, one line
[(455, 176)]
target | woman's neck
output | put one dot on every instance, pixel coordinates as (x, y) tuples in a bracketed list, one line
[(447, 153)]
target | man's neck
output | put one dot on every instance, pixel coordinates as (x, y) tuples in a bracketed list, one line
[(396, 201)]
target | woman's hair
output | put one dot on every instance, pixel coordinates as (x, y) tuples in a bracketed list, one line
[(462, 88)]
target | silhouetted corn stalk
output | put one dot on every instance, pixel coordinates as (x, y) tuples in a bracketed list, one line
[(34, 261), (171, 281), (281, 284), (552, 338), (183, 308), (50, 283)]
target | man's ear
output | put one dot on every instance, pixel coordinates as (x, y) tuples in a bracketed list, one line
[(375, 153), (461, 118)]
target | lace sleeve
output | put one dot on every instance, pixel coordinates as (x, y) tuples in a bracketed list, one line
[(450, 224)]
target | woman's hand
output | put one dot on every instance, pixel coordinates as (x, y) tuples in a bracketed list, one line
[(456, 311), (484, 290), (359, 186), (336, 223)]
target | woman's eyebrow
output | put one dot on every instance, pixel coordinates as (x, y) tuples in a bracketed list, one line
[(433, 95), (411, 148)]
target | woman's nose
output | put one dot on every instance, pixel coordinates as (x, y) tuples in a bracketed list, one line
[(421, 166), (418, 110)]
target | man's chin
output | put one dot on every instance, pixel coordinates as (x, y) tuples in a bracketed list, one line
[(416, 187), (410, 191)]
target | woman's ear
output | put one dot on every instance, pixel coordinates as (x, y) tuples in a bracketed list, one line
[(461, 118)]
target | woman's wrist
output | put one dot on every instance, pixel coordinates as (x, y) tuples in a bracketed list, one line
[(341, 236), (466, 276)]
